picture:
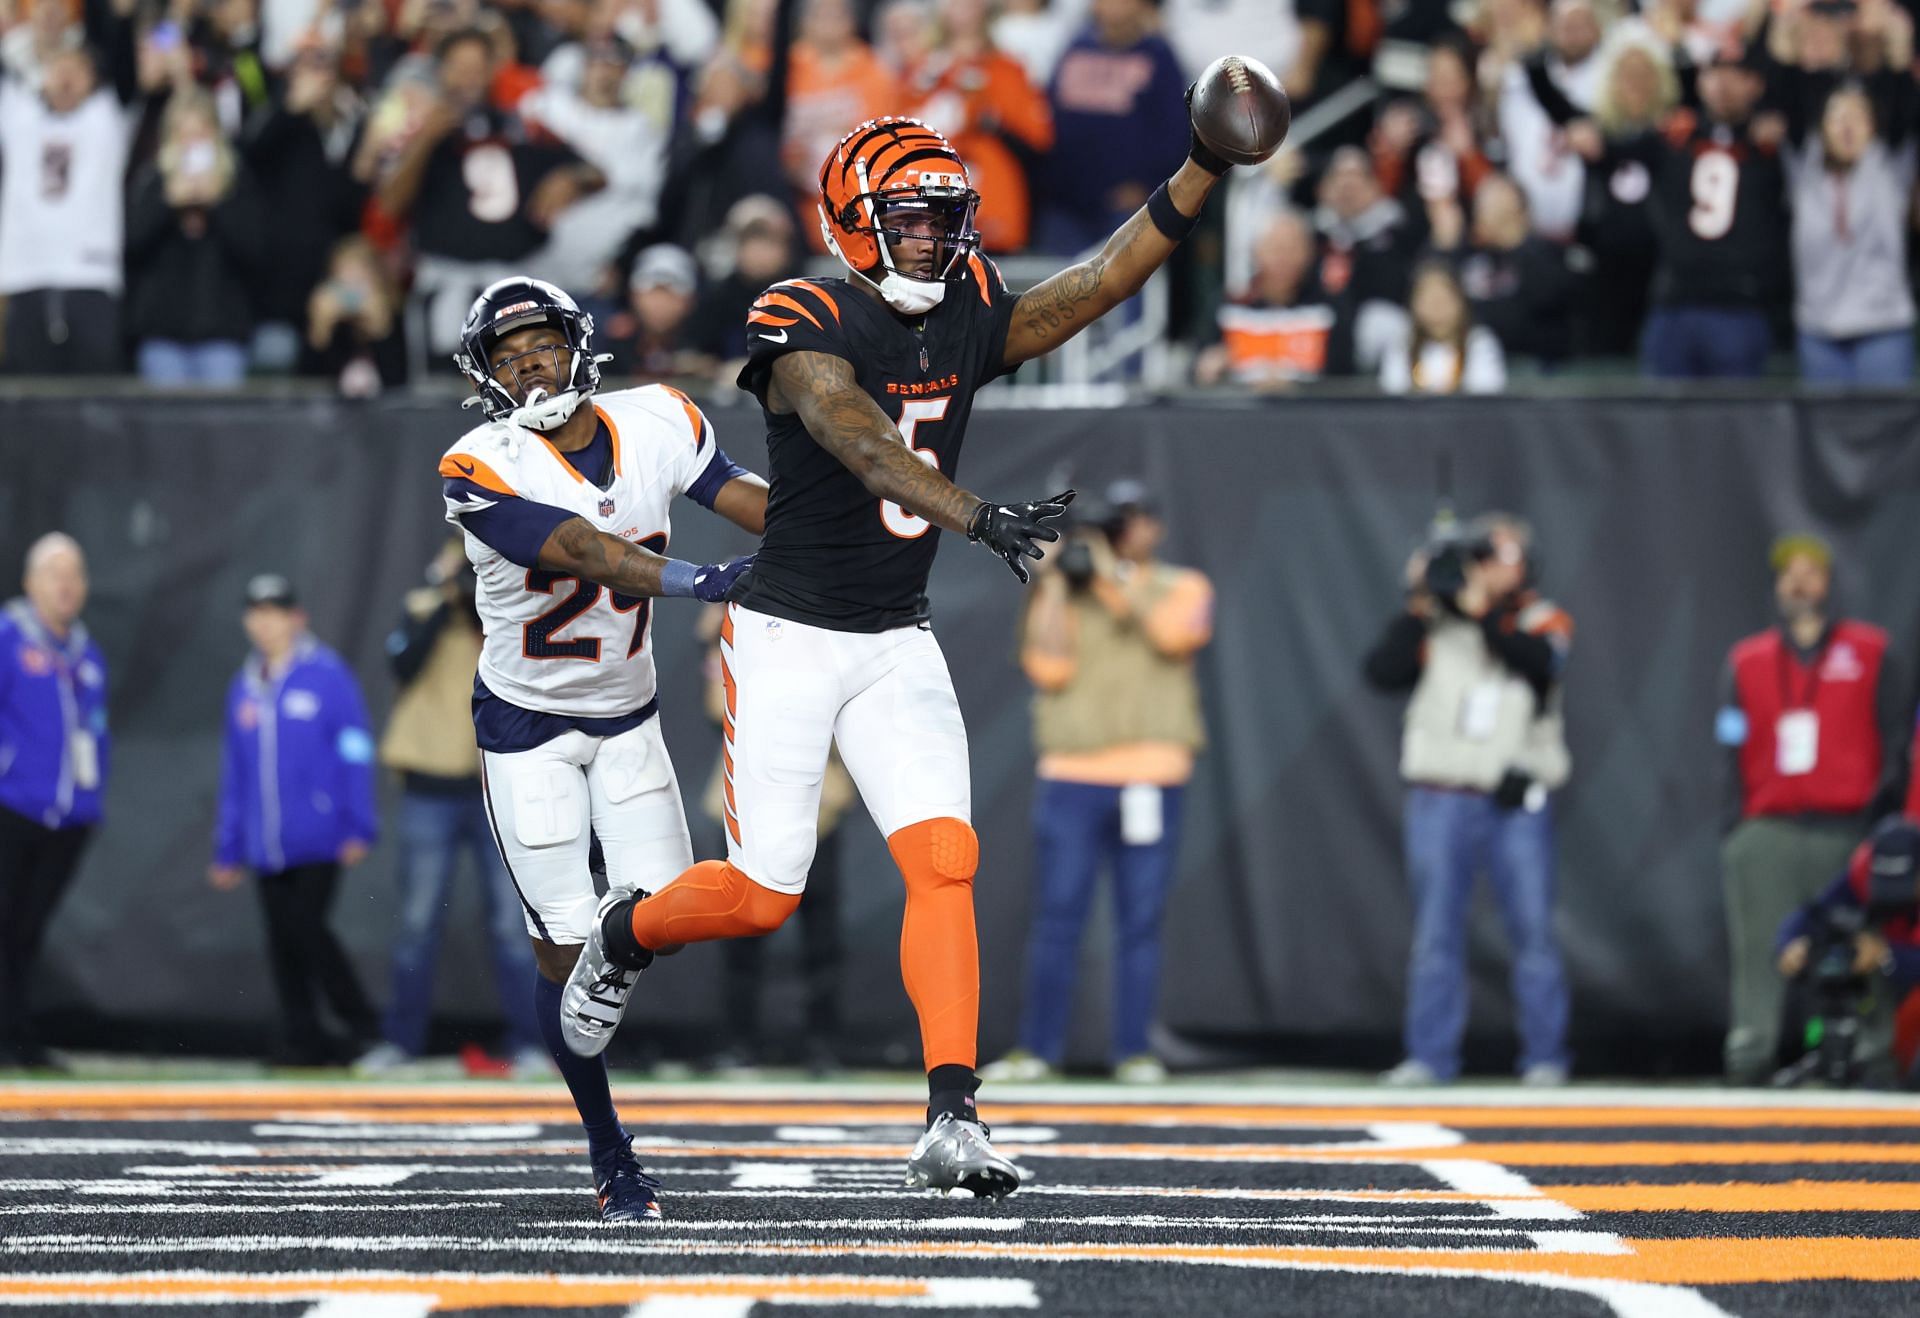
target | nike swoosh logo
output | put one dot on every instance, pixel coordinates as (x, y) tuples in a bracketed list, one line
[(771, 337), (465, 467)]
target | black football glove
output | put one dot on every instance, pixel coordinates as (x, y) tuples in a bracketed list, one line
[(1010, 529), (1199, 152)]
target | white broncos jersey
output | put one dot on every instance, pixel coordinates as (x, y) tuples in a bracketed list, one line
[(556, 644)]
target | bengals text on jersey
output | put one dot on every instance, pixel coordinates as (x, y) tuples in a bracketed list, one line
[(835, 556)]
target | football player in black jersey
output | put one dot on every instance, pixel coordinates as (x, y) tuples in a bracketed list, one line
[(867, 383)]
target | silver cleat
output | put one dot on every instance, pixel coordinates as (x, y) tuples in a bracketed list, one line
[(956, 1155), (596, 994)]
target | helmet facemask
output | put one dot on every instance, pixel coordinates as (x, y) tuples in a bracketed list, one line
[(531, 390), (938, 210)]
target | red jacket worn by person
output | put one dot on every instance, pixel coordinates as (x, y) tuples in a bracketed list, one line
[(1810, 727)]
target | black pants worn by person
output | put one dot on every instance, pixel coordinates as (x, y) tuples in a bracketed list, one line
[(62, 331), (310, 964), (36, 865)]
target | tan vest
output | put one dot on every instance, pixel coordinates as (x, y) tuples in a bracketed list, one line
[(1472, 718), (1123, 690), (431, 729)]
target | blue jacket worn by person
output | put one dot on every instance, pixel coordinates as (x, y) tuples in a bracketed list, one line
[(1118, 117), (1901, 931), (298, 781), (53, 721)]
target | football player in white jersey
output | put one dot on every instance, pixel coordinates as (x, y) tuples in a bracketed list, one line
[(563, 496)]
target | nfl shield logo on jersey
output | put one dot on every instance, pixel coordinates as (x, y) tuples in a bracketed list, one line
[(606, 507)]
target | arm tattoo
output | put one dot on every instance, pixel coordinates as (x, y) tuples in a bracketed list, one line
[(1059, 303), (1056, 309), (845, 421), (593, 555)]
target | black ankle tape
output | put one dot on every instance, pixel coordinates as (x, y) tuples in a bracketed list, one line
[(1166, 216), (616, 935)]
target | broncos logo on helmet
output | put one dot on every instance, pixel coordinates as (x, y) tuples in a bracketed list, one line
[(897, 206)]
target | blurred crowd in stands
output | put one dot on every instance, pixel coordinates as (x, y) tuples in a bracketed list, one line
[(202, 190)]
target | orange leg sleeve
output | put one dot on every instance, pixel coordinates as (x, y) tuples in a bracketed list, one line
[(939, 950), (711, 900)]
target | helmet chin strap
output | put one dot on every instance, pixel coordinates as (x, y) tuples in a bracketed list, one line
[(908, 296), (543, 412)]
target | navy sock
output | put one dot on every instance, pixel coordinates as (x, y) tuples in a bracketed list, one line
[(586, 1077)]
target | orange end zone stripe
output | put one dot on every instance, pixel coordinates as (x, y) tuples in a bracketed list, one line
[(1635, 1153), (1743, 1197), (159, 1100), (452, 1293), (1696, 1262), (1684, 1262)]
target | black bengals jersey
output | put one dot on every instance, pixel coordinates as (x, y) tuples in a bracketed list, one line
[(835, 556), (1718, 206)]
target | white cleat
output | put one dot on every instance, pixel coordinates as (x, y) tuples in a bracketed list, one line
[(596, 994), (957, 1155)]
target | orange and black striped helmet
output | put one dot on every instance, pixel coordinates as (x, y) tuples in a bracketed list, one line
[(882, 175)]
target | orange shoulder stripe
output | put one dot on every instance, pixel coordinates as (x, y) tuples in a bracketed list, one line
[(468, 468), (980, 277), (791, 304), (762, 318), (694, 419), (818, 292), (613, 433)]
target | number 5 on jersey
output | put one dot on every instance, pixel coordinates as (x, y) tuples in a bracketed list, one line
[(906, 525)]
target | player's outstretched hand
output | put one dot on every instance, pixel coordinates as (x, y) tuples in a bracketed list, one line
[(1010, 529), (712, 582), (1202, 154)]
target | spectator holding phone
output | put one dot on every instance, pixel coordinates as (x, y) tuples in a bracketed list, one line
[(196, 240), (297, 149), (354, 333)]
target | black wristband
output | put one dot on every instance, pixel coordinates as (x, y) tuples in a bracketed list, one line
[(1166, 216)]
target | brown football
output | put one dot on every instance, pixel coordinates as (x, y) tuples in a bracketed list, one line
[(1240, 110)]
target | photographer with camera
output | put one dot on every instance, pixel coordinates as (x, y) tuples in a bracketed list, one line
[(1814, 723), (1850, 956), (1483, 750), (429, 742), (1108, 643)]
